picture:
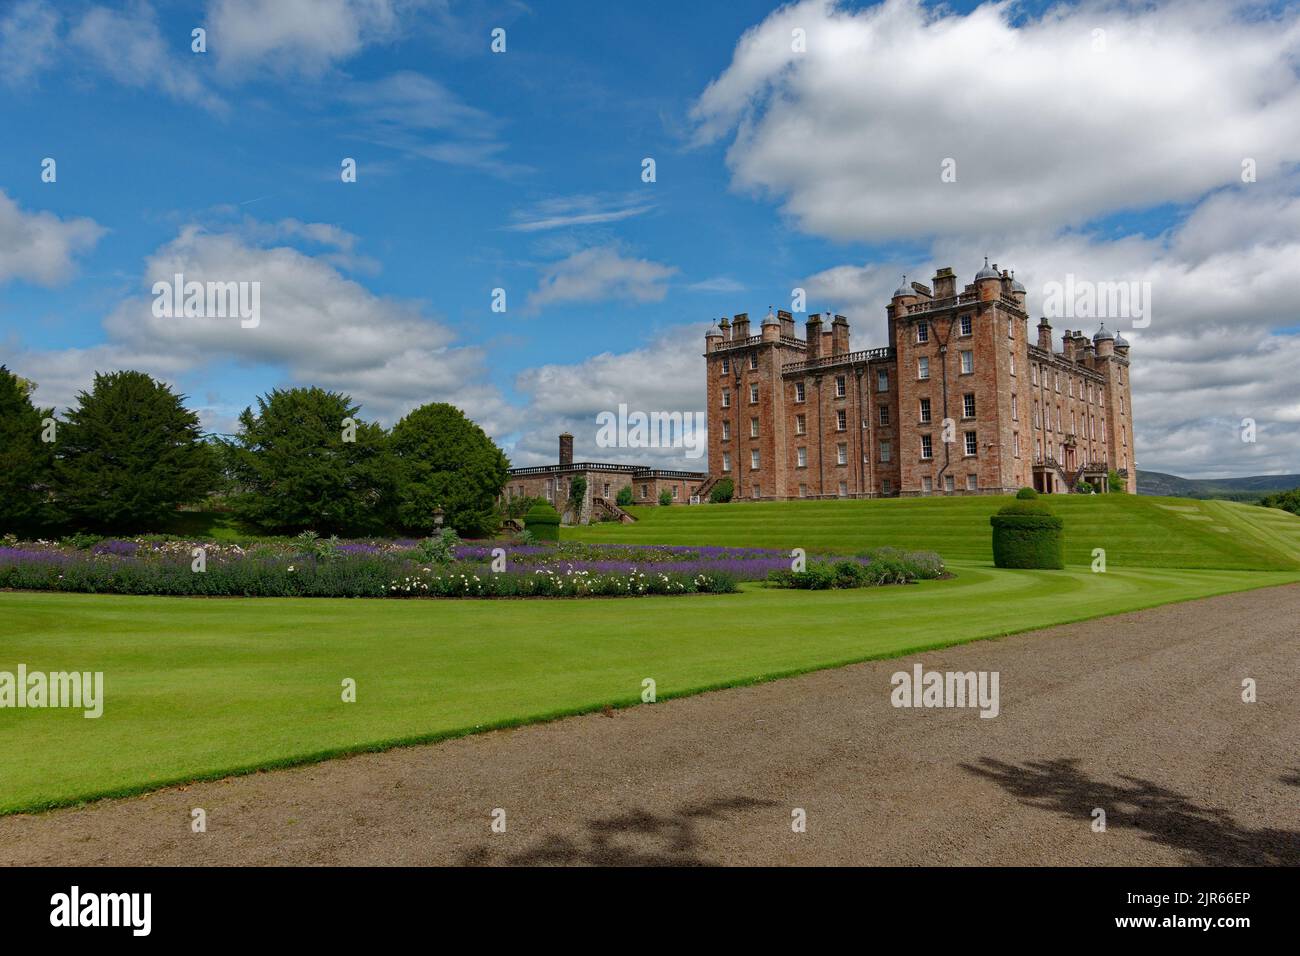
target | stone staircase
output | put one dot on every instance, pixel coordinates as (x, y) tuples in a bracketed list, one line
[(603, 509)]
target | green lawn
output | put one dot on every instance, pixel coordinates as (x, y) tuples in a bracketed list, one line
[(1134, 531), (200, 688)]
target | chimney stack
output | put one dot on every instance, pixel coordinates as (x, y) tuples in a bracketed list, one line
[(740, 327), (566, 449), (813, 335), (1044, 335), (840, 336)]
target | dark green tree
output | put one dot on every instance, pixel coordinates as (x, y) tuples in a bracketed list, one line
[(129, 454), (305, 462), (26, 462), (444, 460), (1286, 500)]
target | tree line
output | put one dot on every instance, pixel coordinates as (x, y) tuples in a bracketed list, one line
[(129, 454)]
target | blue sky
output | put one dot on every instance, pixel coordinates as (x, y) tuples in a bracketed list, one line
[(522, 171)]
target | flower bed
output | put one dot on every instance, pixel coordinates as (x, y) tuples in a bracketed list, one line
[(310, 567)]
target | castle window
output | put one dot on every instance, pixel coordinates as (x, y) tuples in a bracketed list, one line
[(645, 491), (726, 429), (927, 484), (753, 428), (1015, 443), (1123, 435), (1121, 404), (1038, 447), (923, 332), (1015, 409), (886, 487), (726, 461), (841, 386), (753, 394), (927, 447), (967, 362), (753, 460), (925, 411), (841, 420), (882, 380), (972, 483), (1057, 376), (1011, 326), (726, 366), (753, 491), (964, 325), (885, 450), (753, 360), (1069, 382), (844, 489), (1013, 364), (922, 368), (675, 491), (800, 425), (800, 391), (968, 405), (948, 484), (884, 414), (972, 445), (803, 491), (801, 457), (1033, 374), (726, 398), (841, 454)]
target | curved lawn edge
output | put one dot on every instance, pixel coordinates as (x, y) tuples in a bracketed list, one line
[(620, 703)]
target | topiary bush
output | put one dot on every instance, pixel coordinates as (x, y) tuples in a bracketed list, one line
[(624, 497), (543, 521), (665, 498), (1026, 494), (1027, 535), (722, 492)]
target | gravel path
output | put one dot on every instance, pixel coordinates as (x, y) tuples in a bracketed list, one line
[(1139, 714)]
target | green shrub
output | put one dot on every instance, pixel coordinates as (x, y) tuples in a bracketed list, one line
[(1025, 494), (665, 497), (624, 496), (1027, 535), (722, 492), (543, 521), (439, 548), (1116, 483)]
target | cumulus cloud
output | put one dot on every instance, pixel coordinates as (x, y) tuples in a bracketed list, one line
[(666, 375), (39, 246), (304, 36), (598, 274), (1046, 126), (316, 325)]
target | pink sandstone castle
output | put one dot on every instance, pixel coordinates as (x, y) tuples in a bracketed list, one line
[(960, 401)]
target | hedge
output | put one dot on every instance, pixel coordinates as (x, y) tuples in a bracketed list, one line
[(543, 521), (1025, 538)]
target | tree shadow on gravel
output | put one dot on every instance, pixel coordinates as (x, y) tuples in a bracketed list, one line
[(1163, 815), (633, 838)]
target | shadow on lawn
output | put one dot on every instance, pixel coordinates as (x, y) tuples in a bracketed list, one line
[(1163, 815), (634, 838)]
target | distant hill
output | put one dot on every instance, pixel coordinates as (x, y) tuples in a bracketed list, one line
[(1232, 489)]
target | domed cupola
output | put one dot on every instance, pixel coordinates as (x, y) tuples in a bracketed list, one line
[(1103, 335), (1121, 342), (1016, 286), (770, 318), (988, 272), (904, 289)]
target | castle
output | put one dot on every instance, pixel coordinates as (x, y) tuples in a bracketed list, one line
[(960, 401)]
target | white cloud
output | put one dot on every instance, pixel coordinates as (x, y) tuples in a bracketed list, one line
[(570, 211), (851, 134), (130, 48), (39, 246), (666, 375), (598, 274), (28, 37), (316, 327), (304, 36)]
